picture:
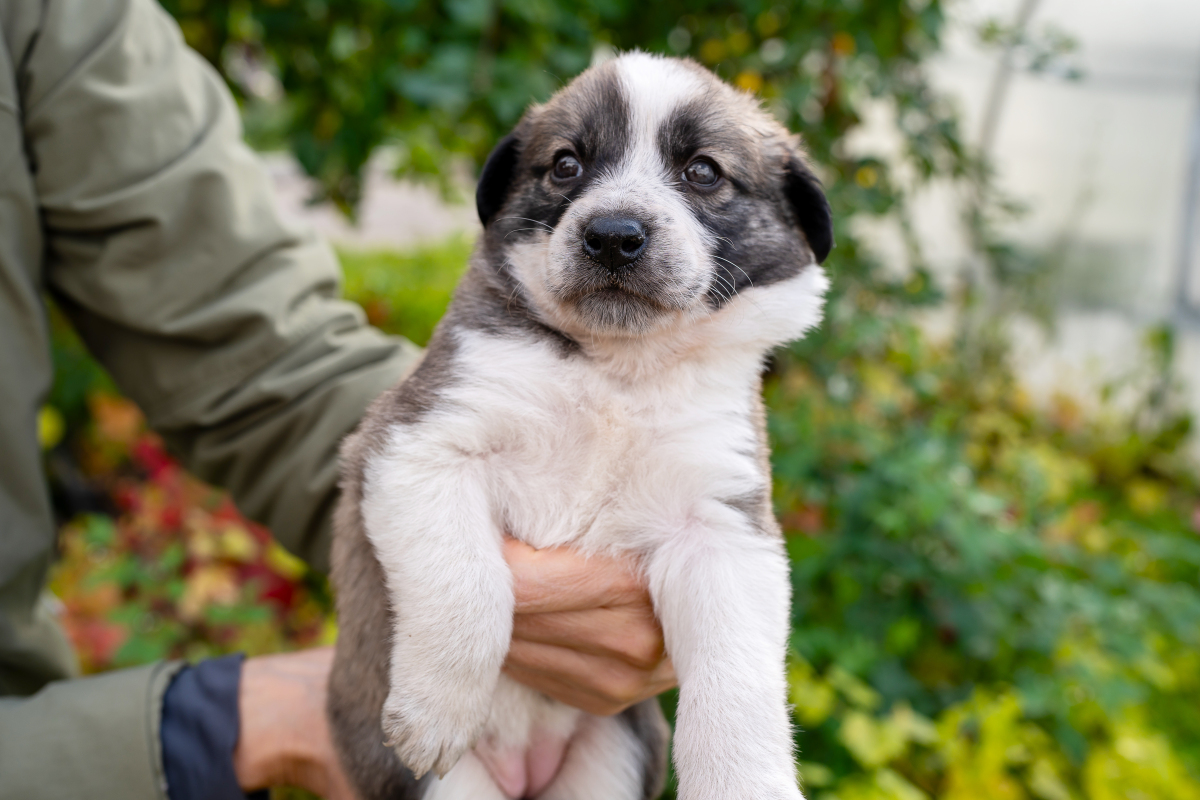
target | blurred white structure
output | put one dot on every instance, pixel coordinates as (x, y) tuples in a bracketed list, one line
[(393, 213), (1109, 165)]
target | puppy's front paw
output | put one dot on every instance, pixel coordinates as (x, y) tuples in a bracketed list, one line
[(780, 791), (431, 735), (741, 790)]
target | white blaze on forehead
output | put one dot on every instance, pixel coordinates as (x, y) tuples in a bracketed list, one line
[(654, 87), (641, 185)]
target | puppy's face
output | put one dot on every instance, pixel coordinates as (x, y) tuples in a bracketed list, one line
[(645, 193)]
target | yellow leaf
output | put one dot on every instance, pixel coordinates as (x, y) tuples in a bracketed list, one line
[(258, 638), (858, 693), (814, 774), (914, 726), (202, 543), (712, 51), (979, 739), (237, 544), (1046, 783), (812, 699), (896, 787), (872, 743), (212, 584), (815, 705), (749, 81), (768, 23), (1146, 496), (1137, 764), (284, 563), (50, 427), (883, 784), (329, 632), (739, 42), (843, 43)]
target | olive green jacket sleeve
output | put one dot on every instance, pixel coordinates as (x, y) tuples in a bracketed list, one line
[(166, 251), (132, 200), (94, 738)]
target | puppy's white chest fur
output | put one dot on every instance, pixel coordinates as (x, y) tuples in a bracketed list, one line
[(655, 449), (577, 455)]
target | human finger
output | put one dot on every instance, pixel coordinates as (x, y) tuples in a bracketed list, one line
[(565, 692), (561, 579), (629, 633), (594, 683)]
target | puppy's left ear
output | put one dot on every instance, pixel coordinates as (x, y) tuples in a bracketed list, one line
[(496, 177), (807, 198)]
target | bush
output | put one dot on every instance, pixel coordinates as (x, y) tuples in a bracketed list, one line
[(991, 600)]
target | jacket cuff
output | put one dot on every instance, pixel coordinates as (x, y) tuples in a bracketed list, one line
[(200, 724)]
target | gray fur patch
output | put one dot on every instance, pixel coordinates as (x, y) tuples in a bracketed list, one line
[(358, 684), (649, 726)]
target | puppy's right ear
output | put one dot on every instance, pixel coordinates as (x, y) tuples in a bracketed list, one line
[(496, 177), (803, 190)]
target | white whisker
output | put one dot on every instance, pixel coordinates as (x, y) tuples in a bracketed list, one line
[(739, 269), (527, 219), (518, 230)]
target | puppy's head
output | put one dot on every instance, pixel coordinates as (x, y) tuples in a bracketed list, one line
[(646, 193)]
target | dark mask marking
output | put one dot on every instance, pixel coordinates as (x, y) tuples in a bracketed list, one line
[(762, 235)]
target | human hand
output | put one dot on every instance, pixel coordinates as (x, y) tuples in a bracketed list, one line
[(284, 738), (584, 631)]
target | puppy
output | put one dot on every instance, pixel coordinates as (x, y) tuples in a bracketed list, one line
[(650, 234)]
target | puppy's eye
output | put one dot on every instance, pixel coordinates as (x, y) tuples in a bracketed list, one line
[(567, 167), (701, 172)]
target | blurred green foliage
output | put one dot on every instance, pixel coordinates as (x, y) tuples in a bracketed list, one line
[(992, 599), (405, 293), (441, 82)]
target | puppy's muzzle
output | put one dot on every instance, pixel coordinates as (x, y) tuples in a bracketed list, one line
[(614, 242)]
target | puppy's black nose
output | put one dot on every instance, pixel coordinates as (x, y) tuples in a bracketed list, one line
[(614, 241)]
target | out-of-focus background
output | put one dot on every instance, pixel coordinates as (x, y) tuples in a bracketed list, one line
[(984, 460)]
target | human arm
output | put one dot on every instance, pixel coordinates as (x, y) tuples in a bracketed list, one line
[(166, 251), (152, 226)]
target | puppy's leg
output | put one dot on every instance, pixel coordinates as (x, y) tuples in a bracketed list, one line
[(605, 761), (358, 684), (428, 516), (721, 590), (468, 780)]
